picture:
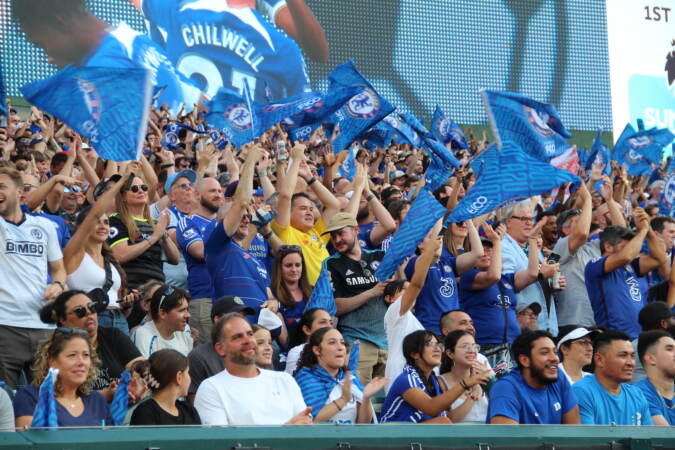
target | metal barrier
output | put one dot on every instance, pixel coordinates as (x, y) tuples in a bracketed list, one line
[(416, 437)]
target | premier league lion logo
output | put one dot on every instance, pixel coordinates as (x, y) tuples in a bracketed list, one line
[(238, 116), (539, 122), (91, 98), (364, 105)]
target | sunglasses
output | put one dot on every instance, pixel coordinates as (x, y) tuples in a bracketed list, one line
[(167, 291), (71, 331), (185, 186), (137, 188), (82, 311), (290, 248)]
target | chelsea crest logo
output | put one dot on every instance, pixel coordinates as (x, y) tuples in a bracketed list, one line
[(669, 189), (238, 116), (633, 157), (364, 105), (539, 123), (91, 98), (444, 128)]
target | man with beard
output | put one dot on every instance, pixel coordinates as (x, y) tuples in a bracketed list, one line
[(533, 394), (243, 394), (656, 349), (606, 398), (29, 254), (358, 295), (375, 222), (191, 233)]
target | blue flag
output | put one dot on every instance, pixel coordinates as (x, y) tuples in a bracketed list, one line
[(361, 111), (667, 197), (120, 401), (228, 113), (446, 130), (599, 155), (348, 167), (378, 136), (3, 94), (508, 175), (628, 151), (322, 294), (648, 143), (442, 163), (45, 409), (354, 357), (583, 156), (531, 125), (414, 123), (404, 131), (109, 106), (424, 213)]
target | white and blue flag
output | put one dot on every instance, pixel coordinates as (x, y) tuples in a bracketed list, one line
[(446, 130), (598, 156)]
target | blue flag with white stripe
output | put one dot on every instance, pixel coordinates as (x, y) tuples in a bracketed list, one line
[(322, 294), (640, 151), (45, 409), (120, 401), (446, 130), (361, 111), (508, 175), (106, 105), (424, 213), (534, 126), (599, 155)]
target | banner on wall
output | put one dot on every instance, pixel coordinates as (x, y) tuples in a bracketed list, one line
[(641, 46)]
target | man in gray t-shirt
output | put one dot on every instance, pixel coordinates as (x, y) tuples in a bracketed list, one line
[(574, 307)]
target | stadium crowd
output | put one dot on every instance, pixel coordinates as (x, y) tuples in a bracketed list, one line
[(193, 269)]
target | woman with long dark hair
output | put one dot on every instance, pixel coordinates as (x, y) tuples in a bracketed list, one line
[(290, 284), (416, 395), (328, 386), (312, 319), (459, 363), (167, 375)]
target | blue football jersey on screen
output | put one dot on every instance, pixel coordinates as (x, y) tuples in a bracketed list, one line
[(219, 46)]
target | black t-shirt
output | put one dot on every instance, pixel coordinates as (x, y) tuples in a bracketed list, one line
[(115, 350), (148, 265), (150, 413), (349, 277)]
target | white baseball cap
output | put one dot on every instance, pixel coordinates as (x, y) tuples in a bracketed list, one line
[(575, 334)]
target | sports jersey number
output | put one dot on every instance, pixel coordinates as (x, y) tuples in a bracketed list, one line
[(191, 65)]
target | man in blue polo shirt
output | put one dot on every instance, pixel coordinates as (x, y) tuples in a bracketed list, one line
[(533, 394), (191, 233), (233, 269), (656, 349), (606, 398), (612, 280)]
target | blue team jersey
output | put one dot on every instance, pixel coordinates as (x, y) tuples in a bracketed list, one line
[(485, 307), (599, 407), (439, 294), (124, 47), (220, 46), (234, 271), (190, 230), (396, 409), (658, 406), (260, 250), (616, 297), (512, 397), (364, 236)]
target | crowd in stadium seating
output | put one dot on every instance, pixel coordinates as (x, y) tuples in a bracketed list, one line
[(193, 270)]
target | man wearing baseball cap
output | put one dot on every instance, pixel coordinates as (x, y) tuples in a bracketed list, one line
[(358, 294), (203, 359), (575, 348), (527, 315)]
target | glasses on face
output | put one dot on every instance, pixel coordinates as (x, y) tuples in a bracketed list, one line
[(434, 345), (468, 347), (82, 311), (585, 342), (185, 166), (28, 187), (136, 188), (523, 218), (69, 330), (185, 186)]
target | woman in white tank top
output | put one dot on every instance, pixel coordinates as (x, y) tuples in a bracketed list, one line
[(87, 255)]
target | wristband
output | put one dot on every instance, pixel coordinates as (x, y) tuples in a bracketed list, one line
[(262, 174), (370, 197), (165, 166), (311, 180)]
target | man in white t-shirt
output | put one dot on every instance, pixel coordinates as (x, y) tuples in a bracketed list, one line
[(30, 257), (243, 394)]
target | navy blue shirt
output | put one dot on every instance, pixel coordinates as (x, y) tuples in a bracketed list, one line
[(439, 293), (234, 271), (512, 397), (396, 409), (485, 308), (364, 236), (95, 413), (616, 297), (191, 230)]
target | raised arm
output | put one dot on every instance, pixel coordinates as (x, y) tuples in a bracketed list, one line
[(657, 256), (615, 214), (242, 196), (287, 185), (526, 277), (431, 252), (484, 280), (331, 205), (360, 182), (631, 250), (579, 233), (468, 260), (385, 225)]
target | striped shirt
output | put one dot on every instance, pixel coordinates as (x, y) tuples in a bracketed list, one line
[(316, 385), (396, 409)]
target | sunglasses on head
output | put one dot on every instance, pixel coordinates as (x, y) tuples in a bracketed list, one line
[(290, 249), (136, 188), (82, 311), (167, 291)]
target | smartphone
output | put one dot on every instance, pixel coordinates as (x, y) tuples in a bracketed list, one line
[(553, 258)]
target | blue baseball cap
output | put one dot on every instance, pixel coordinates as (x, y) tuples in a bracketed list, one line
[(171, 179)]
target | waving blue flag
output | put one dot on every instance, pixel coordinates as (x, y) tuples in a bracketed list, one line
[(228, 113), (508, 175), (45, 409), (583, 156), (446, 130), (348, 167), (354, 357), (599, 155), (424, 213), (322, 294), (630, 149), (109, 106), (378, 136), (361, 111), (533, 126), (667, 197), (3, 94), (404, 130), (120, 401), (414, 123), (442, 163), (648, 143)]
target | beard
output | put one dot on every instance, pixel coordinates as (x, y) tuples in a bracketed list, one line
[(209, 205), (241, 359), (539, 375)]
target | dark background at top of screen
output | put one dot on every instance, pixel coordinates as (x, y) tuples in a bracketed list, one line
[(422, 53)]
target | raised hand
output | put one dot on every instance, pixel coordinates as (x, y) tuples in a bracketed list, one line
[(375, 386)]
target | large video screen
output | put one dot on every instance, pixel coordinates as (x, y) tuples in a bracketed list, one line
[(415, 53)]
